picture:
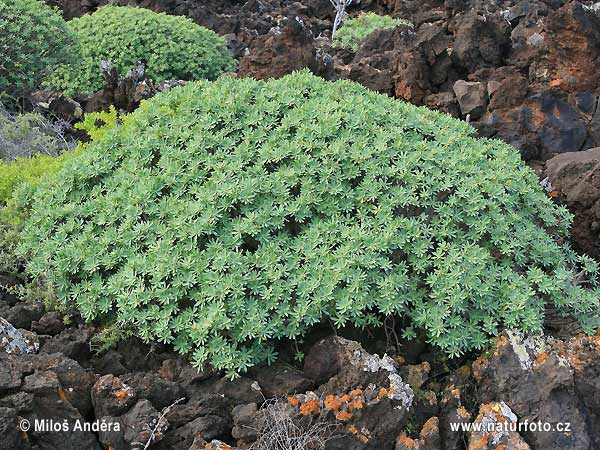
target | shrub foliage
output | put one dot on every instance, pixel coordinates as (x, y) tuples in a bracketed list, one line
[(34, 40), (352, 33), (24, 135), (221, 216), (18, 180), (171, 47)]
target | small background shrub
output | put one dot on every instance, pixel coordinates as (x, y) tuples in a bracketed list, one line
[(283, 428), (30, 149), (34, 39), (24, 135), (171, 47), (221, 216), (353, 31)]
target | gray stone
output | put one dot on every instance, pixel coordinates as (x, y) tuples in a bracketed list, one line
[(16, 342), (472, 98)]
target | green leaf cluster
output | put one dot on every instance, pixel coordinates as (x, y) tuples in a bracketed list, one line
[(97, 123), (353, 31), (24, 174), (171, 47), (34, 39), (222, 216)]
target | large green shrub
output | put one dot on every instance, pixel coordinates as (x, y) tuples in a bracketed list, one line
[(33, 40), (220, 216), (352, 33), (171, 47)]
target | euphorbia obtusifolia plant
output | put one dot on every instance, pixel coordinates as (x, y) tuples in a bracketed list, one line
[(170, 47), (220, 217), (34, 39)]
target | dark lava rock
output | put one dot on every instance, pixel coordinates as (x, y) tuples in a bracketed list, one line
[(576, 177), (280, 52), (11, 438), (23, 314), (279, 380), (50, 323), (112, 397), (537, 377), (150, 386), (72, 342)]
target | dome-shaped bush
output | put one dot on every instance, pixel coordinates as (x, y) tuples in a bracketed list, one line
[(220, 216), (34, 38), (171, 47)]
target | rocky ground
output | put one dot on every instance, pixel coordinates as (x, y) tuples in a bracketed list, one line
[(521, 71), (50, 374)]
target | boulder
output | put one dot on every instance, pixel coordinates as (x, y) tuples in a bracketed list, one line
[(50, 324), (280, 52), (481, 39), (279, 380), (23, 314), (112, 397), (575, 176), (536, 376), (472, 98), (49, 401), (365, 393), (493, 417)]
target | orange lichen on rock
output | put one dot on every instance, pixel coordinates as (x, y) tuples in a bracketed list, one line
[(383, 392), (343, 416), (540, 358), (355, 404), (462, 412), (61, 395), (479, 444), (356, 392), (363, 438), (406, 441), (332, 402), (309, 407), (575, 361), (502, 341), (431, 424), (293, 401), (479, 366), (120, 395)]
